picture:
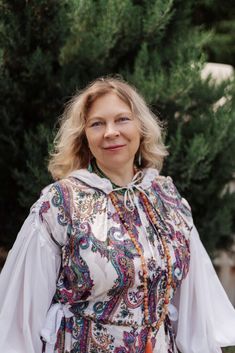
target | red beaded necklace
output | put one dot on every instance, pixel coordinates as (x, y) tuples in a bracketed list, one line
[(149, 209)]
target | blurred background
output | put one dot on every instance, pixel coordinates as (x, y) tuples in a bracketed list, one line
[(179, 54)]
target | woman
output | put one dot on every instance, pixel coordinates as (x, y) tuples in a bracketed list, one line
[(109, 259)]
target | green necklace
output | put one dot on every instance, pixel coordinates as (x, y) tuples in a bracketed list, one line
[(99, 172)]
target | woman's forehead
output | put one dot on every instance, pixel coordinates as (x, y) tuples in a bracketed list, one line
[(108, 104)]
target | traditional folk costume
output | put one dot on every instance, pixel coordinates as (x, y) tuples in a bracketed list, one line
[(97, 268)]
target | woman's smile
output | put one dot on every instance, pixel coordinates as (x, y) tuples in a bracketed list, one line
[(114, 147)]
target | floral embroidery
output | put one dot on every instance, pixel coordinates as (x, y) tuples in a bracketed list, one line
[(60, 200), (44, 208)]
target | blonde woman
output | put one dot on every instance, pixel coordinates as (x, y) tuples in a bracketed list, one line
[(108, 259)]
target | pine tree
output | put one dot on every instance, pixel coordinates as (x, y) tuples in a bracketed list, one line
[(154, 45), (32, 33), (218, 17)]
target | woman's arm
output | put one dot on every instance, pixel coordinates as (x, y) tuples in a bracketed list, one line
[(28, 279), (206, 318)]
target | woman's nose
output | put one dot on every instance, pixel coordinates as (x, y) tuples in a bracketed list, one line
[(111, 131)]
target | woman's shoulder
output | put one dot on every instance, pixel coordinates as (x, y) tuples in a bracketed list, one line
[(165, 183), (53, 200), (166, 193), (165, 189), (64, 189)]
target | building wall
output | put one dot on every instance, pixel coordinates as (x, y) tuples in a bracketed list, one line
[(225, 267)]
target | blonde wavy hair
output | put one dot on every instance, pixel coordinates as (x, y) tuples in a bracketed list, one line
[(70, 145)]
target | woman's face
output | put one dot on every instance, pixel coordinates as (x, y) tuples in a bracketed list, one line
[(112, 132)]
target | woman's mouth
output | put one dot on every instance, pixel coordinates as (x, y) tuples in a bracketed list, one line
[(113, 147)]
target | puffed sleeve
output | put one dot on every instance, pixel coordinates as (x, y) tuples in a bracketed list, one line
[(206, 318), (28, 279)]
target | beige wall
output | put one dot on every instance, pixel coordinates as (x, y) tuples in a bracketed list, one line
[(225, 267)]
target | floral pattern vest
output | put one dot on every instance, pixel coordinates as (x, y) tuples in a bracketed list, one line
[(100, 281)]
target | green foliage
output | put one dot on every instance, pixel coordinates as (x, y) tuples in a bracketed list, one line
[(221, 47), (202, 161), (102, 33), (220, 17), (30, 91), (153, 45), (31, 183), (229, 350)]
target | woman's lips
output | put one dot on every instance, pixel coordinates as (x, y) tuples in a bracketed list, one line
[(114, 147)]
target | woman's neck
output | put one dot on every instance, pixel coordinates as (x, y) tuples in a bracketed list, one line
[(120, 176)]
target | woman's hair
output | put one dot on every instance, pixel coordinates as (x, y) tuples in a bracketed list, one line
[(70, 145)]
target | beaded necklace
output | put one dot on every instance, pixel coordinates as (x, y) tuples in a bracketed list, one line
[(155, 326), (152, 217)]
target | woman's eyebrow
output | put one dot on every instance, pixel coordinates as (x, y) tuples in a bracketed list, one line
[(123, 113), (115, 116), (94, 118)]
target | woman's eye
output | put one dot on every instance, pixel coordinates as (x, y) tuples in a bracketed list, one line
[(96, 123), (123, 118)]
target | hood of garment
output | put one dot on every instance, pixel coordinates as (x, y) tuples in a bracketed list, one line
[(142, 179)]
